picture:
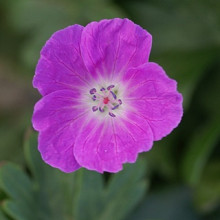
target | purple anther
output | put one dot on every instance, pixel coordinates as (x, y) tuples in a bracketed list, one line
[(119, 101), (102, 89), (116, 106), (92, 91), (110, 87), (101, 109), (94, 108), (113, 94), (111, 114), (94, 98)]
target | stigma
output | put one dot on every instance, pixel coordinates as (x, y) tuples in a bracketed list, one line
[(105, 100)]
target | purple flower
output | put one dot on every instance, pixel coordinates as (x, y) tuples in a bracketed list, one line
[(103, 102)]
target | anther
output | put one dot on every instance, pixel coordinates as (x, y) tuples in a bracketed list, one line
[(101, 109), (106, 100), (94, 108), (116, 106), (111, 114), (113, 94), (110, 87), (92, 91)]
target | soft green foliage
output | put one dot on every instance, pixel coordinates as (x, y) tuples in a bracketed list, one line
[(44, 18), (2, 216), (200, 148), (83, 193), (114, 201), (175, 203), (208, 191), (177, 180)]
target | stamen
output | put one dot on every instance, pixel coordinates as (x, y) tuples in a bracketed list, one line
[(116, 106), (94, 108), (113, 94), (110, 87), (101, 109), (105, 101), (111, 114), (92, 91)]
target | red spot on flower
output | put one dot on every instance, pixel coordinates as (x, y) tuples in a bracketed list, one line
[(105, 100)]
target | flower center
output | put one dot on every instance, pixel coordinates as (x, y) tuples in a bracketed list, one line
[(105, 100)]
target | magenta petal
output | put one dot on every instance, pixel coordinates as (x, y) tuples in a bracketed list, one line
[(106, 145), (112, 46), (58, 117), (154, 97), (60, 65)]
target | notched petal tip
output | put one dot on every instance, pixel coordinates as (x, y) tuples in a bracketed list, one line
[(35, 117), (60, 65), (106, 146), (60, 162), (154, 96), (112, 46)]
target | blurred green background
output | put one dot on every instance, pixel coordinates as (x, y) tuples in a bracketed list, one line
[(179, 179)]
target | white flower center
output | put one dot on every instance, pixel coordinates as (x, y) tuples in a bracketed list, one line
[(105, 100)]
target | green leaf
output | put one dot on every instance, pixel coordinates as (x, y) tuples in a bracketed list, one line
[(42, 194), (9, 173), (19, 188), (124, 191), (18, 212), (2, 216), (47, 181), (207, 192), (199, 150), (88, 195), (82, 195), (174, 203), (116, 200)]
